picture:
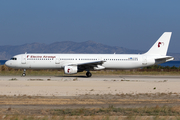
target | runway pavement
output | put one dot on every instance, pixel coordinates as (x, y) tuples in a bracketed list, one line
[(80, 85), (148, 78)]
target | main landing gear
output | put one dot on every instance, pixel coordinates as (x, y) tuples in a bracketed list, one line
[(24, 73), (88, 74)]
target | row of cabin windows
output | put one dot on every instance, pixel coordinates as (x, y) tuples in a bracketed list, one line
[(76, 59), (39, 59), (60, 59), (122, 59), (97, 59)]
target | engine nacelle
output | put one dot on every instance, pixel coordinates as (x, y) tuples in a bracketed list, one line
[(70, 69)]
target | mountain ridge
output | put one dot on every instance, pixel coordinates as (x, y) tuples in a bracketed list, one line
[(91, 47)]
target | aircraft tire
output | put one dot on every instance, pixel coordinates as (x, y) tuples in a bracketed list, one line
[(24, 74), (88, 74)]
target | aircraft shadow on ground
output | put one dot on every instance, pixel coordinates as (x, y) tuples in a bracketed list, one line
[(73, 76)]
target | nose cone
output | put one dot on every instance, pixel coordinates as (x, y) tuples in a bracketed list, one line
[(7, 63)]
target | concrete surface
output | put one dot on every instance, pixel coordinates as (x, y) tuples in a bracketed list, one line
[(80, 85)]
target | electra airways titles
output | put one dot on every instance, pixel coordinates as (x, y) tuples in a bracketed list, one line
[(74, 63)]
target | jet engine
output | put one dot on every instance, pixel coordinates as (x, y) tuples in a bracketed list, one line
[(70, 69)]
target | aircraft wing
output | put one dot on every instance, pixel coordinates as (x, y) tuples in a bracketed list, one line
[(92, 64)]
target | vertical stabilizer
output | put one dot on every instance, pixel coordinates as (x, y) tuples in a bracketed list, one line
[(161, 45)]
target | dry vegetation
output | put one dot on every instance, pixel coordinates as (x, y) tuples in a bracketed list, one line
[(154, 70), (90, 107), (111, 113), (16, 117)]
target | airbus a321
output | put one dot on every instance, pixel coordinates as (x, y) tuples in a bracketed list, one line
[(74, 63)]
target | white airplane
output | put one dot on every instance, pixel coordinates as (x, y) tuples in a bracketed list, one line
[(74, 63)]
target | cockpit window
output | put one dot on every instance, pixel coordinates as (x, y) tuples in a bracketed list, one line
[(13, 58)]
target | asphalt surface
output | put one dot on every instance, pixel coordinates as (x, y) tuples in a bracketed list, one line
[(148, 78)]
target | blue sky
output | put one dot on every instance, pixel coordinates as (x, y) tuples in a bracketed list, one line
[(134, 24)]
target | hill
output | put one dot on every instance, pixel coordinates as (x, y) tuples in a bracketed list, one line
[(8, 51)]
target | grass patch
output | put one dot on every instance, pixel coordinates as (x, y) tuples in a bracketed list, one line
[(105, 72), (111, 111), (34, 117), (5, 71)]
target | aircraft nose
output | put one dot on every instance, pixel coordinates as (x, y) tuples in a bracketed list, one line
[(7, 63)]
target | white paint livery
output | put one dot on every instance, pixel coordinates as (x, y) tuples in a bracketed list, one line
[(74, 63)]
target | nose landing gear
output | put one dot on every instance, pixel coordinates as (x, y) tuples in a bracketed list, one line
[(88, 74), (24, 73)]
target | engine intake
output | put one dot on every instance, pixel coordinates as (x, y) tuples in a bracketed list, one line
[(70, 69)]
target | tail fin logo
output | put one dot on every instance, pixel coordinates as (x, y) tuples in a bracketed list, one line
[(160, 43)]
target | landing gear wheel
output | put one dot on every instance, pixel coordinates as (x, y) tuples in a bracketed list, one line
[(88, 74), (24, 74)]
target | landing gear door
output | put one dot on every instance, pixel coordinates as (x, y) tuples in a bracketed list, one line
[(144, 60), (23, 59)]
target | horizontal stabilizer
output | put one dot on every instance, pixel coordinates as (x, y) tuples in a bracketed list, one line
[(167, 58), (163, 59)]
